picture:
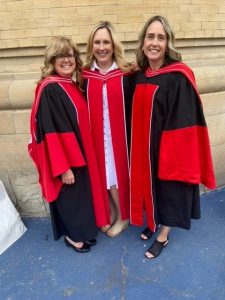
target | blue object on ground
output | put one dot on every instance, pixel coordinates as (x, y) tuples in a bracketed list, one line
[(192, 266)]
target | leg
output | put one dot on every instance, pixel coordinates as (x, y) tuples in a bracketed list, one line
[(159, 243), (119, 224), (163, 234), (113, 209), (113, 215)]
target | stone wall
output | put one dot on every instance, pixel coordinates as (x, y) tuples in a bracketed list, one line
[(26, 27)]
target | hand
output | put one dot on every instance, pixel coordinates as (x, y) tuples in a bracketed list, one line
[(68, 177)]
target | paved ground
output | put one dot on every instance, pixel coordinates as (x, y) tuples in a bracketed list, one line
[(191, 267)]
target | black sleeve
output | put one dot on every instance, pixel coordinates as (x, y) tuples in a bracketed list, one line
[(55, 112), (184, 105)]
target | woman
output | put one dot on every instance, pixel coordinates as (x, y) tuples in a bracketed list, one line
[(62, 148), (170, 151), (109, 99)]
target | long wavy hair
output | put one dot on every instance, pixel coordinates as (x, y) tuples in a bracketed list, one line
[(118, 52), (171, 52), (61, 45)]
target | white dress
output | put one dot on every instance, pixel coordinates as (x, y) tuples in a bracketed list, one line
[(111, 177)]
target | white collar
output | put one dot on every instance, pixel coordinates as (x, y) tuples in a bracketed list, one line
[(95, 66)]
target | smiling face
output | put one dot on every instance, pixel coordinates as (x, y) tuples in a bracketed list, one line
[(65, 65), (103, 48), (155, 45)]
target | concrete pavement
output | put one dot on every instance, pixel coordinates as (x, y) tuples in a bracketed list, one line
[(191, 267)]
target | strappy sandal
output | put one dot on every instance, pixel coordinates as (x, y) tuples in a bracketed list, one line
[(156, 248), (147, 233)]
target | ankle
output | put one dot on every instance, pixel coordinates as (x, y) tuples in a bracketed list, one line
[(162, 237)]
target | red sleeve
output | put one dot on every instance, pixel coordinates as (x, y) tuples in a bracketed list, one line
[(185, 156), (64, 152)]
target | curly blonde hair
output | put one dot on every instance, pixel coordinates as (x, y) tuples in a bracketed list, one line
[(61, 45), (118, 52), (171, 53)]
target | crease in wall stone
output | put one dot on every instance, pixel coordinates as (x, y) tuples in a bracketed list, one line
[(27, 192)]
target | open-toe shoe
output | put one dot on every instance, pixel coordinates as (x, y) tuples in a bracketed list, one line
[(105, 228), (146, 234), (156, 248), (115, 230)]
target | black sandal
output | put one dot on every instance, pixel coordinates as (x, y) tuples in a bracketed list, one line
[(156, 248), (148, 234)]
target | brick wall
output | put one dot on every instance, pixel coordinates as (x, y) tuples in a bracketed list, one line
[(29, 23)]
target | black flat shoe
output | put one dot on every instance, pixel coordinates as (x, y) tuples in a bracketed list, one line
[(156, 248), (83, 249), (91, 242)]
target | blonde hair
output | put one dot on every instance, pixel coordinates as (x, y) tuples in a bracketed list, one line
[(171, 52), (61, 45), (118, 52)]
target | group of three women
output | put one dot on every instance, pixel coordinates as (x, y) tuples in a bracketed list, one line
[(119, 138)]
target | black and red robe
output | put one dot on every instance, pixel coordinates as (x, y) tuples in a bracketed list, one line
[(119, 104), (170, 150), (61, 140)]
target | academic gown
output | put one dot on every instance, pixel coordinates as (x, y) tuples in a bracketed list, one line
[(170, 150), (119, 93), (61, 140)]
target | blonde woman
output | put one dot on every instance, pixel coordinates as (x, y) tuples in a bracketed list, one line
[(109, 94), (62, 148)]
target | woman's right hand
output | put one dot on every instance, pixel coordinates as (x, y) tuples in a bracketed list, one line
[(68, 177)]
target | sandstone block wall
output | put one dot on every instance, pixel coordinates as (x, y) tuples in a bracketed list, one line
[(25, 29)]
